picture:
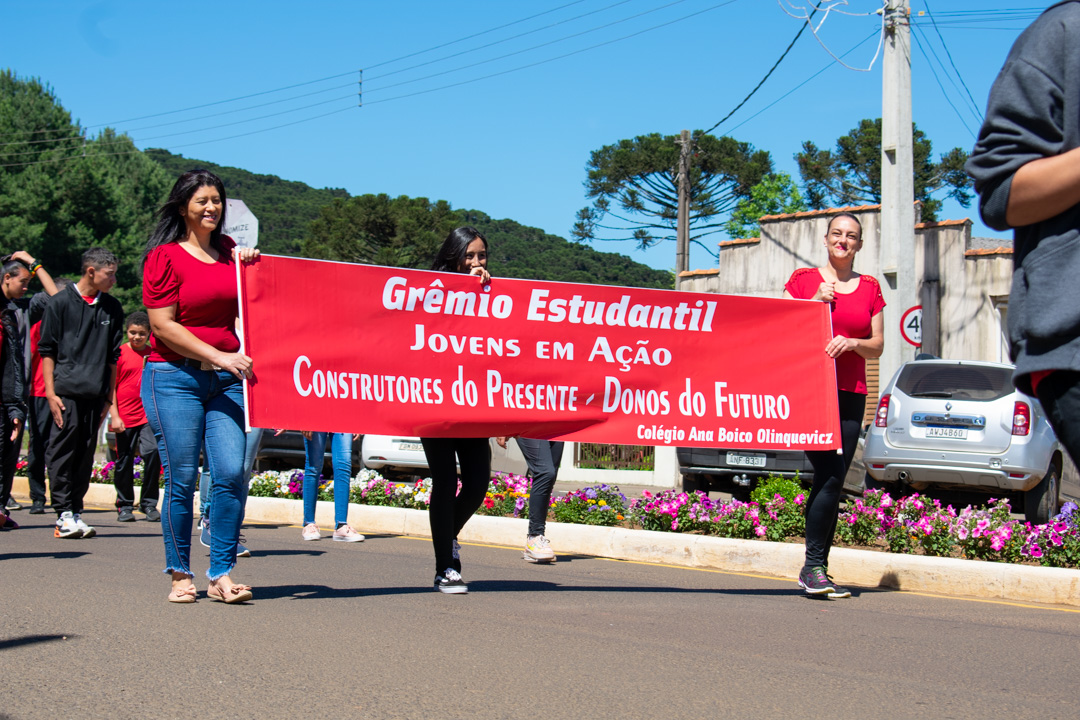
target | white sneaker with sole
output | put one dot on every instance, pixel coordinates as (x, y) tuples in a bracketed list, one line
[(87, 531), (345, 533), (66, 527), (538, 550), (311, 532)]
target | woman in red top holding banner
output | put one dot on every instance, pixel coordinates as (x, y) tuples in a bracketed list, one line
[(192, 386), (463, 251), (857, 334)]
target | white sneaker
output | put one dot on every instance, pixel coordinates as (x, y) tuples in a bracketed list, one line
[(66, 527), (345, 533), (538, 549), (311, 532), (87, 531)]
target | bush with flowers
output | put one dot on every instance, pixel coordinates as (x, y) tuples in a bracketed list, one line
[(103, 472), (909, 524), (507, 495), (596, 505)]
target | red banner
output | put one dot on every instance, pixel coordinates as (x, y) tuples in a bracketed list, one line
[(358, 348)]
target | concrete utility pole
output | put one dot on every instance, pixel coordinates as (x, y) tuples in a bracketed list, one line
[(897, 185), (682, 238)]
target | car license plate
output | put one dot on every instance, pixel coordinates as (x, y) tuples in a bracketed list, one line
[(410, 447), (745, 460), (947, 432)]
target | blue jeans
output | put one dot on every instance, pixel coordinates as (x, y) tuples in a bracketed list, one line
[(543, 458), (251, 449), (314, 453), (187, 407)]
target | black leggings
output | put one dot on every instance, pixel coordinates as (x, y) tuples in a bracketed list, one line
[(447, 513), (830, 468)]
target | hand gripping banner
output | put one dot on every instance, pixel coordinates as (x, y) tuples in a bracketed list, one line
[(339, 347)]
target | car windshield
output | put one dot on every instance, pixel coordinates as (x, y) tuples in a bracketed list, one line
[(962, 382)]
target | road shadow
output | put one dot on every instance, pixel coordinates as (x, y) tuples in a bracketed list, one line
[(530, 586), (268, 553), (59, 555), (31, 640), (324, 592)]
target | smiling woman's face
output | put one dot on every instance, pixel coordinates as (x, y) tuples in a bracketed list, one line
[(475, 256), (203, 211)]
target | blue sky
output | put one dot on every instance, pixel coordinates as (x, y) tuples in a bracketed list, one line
[(500, 120)]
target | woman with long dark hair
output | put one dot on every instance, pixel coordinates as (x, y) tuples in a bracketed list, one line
[(463, 251), (193, 379), (856, 304)]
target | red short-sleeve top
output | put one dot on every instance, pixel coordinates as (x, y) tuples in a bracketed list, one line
[(851, 317), (129, 384), (204, 295)]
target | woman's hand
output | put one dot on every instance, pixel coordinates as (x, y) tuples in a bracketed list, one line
[(482, 273), (826, 292), (247, 254), (238, 364), (24, 256), (840, 345)]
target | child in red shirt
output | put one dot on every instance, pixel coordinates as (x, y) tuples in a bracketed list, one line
[(133, 433)]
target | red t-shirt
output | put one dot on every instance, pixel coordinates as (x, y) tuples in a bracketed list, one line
[(204, 295), (851, 317), (37, 379), (129, 384)]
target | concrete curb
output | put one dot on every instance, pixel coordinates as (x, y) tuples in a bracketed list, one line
[(867, 568)]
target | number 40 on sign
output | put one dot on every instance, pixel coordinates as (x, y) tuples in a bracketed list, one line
[(911, 325)]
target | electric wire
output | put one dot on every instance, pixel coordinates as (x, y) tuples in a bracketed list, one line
[(924, 45), (919, 44), (825, 47), (956, 70), (767, 75), (529, 49)]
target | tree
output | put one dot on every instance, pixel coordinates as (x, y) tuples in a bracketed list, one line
[(378, 230), (775, 194), (635, 184), (852, 174), (62, 193)]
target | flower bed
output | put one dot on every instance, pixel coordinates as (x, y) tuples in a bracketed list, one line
[(913, 524)]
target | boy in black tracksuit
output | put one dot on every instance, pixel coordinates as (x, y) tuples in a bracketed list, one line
[(79, 347)]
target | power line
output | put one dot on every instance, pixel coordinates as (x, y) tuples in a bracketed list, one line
[(530, 49), (955, 69), (806, 81), (783, 55), (558, 57), (933, 72), (927, 45)]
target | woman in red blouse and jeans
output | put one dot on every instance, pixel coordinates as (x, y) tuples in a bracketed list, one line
[(192, 387), (857, 327)]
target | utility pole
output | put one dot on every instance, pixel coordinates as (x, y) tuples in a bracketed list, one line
[(897, 184), (682, 237)]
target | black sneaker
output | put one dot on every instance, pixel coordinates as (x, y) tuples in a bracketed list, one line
[(814, 581), (837, 591), (38, 508), (125, 515), (12, 504), (449, 581), (152, 514)]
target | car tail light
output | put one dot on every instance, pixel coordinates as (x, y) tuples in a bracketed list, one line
[(1021, 418), (882, 411)]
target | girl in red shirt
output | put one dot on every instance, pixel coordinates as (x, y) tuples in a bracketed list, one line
[(858, 327)]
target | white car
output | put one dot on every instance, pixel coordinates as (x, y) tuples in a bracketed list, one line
[(390, 453)]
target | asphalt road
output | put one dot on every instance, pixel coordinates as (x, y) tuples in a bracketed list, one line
[(339, 630)]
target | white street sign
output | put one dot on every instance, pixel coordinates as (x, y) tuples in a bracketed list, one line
[(241, 224), (911, 325)]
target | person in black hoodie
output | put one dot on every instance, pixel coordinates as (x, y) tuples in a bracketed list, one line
[(16, 276), (79, 347)]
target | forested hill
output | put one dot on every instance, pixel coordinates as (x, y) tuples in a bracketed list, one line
[(286, 210)]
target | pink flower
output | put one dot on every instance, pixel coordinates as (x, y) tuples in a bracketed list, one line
[(962, 532), (1035, 551), (997, 543), (759, 530), (800, 499), (1056, 539)]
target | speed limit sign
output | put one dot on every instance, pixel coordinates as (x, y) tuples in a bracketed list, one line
[(911, 325)]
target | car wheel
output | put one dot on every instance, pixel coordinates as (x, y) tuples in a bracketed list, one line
[(692, 482), (1041, 502), (870, 483)]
